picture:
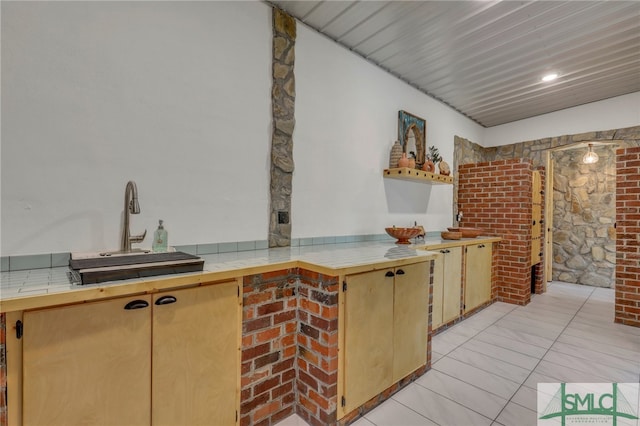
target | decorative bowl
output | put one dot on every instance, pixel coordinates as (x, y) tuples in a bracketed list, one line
[(468, 232), (448, 235), (402, 235)]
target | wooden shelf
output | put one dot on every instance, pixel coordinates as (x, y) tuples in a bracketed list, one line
[(405, 173)]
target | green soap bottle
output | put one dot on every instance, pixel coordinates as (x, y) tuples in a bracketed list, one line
[(160, 239)]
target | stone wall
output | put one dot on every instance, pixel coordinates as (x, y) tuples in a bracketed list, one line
[(283, 95), (584, 248), (584, 212)]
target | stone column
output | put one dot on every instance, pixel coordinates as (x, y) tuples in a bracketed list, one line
[(283, 112)]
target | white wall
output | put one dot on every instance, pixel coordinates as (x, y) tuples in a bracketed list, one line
[(614, 113), (346, 123), (174, 96)]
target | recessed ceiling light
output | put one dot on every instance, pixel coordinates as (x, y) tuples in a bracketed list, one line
[(550, 77)]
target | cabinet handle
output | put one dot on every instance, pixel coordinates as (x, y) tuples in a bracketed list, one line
[(534, 222), (166, 300), (389, 274), (447, 251), (399, 272), (443, 251), (136, 304)]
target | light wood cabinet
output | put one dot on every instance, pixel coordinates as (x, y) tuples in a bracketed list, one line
[(195, 356), (410, 319), (477, 288), (385, 329), (447, 285), (167, 359), (88, 364)]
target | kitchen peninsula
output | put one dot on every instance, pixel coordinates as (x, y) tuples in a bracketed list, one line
[(326, 331)]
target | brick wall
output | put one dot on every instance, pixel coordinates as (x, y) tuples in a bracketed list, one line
[(317, 383), (269, 328), (289, 347), (627, 305), (496, 196)]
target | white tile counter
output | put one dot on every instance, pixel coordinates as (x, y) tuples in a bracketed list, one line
[(46, 287)]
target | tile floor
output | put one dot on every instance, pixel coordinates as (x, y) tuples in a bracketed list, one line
[(486, 368)]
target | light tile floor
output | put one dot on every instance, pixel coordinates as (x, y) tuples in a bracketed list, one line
[(485, 369)]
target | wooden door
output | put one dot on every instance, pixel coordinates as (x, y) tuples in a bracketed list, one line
[(88, 364), (536, 225), (368, 336), (477, 276), (548, 224), (196, 355), (438, 288), (452, 284), (410, 318)]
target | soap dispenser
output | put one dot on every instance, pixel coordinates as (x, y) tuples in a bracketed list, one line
[(160, 239)]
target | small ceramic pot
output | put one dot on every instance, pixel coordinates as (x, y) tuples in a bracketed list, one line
[(403, 161), (412, 163), (395, 155), (429, 166), (444, 168)]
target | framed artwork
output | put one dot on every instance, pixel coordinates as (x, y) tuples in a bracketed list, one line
[(412, 132)]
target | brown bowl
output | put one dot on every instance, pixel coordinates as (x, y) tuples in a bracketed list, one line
[(448, 235), (468, 232), (402, 235)]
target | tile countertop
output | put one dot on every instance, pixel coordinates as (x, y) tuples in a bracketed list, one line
[(36, 288)]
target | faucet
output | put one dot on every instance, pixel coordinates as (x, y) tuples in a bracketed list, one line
[(131, 206)]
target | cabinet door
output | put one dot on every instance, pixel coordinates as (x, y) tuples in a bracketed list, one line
[(452, 278), (438, 288), (88, 364), (410, 318), (195, 355), (477, 288), (368, 342)]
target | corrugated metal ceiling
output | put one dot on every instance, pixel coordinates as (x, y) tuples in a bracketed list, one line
[(486, 58)]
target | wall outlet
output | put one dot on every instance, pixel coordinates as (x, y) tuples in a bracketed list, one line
[(283, 218)]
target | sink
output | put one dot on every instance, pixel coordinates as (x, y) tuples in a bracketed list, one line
[(100, 268)]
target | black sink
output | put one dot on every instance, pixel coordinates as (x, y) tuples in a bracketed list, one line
[(100, 269)]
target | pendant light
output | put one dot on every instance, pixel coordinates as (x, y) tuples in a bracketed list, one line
[(590, 157)]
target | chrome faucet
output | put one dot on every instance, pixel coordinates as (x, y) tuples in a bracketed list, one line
[(131, 206)]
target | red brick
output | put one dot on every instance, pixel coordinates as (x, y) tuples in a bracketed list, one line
[(319, 400), (310, 306), (253, 299), (250, 353), (267, 409), (266, 385), (277, 392), (256, 324), (308, 404), (270, 308), (255, 377), (284, 316), (267, 335), (266, 359)]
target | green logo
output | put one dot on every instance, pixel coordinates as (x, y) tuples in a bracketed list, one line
[(585, 401)]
